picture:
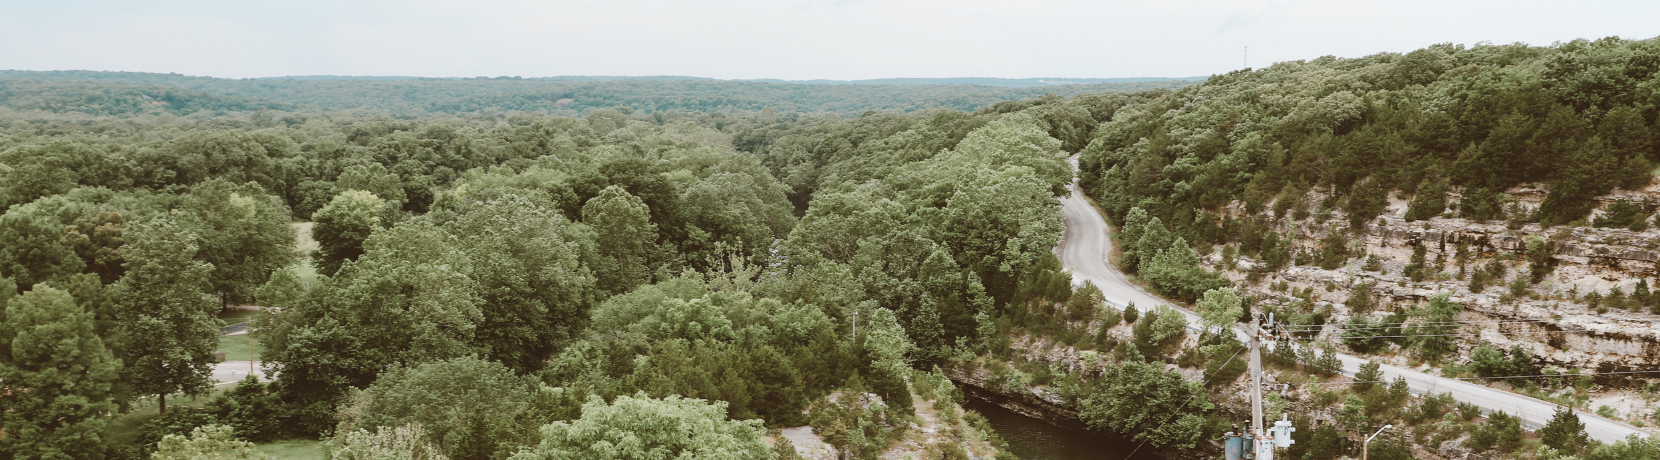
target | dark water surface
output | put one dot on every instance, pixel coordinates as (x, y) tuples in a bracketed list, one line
[(1033, 439)]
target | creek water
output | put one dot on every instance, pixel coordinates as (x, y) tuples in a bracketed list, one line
[(1033, 439)]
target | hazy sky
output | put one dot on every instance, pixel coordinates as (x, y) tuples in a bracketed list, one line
[(794, 39)]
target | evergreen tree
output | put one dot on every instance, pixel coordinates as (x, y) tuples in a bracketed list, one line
[(1154, 238), (58, 374), (1129, 234), (1430, 201)]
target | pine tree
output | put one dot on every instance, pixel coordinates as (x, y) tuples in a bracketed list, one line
[(1129, 233), (1565, 431)]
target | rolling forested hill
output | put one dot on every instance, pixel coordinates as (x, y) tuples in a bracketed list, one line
[(1582, 118), (554, 95)]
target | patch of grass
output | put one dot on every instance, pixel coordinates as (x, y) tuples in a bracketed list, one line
[(236, 347), (236, 316), (292, 449), (125, 429), (307, 272)]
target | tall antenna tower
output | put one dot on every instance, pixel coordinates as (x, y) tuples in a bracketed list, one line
[(1245, 59)]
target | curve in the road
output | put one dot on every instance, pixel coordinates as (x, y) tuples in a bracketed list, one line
[(1085, 248)]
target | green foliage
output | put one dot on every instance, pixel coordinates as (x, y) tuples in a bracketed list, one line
[(1415, 269), (1432, 334), (1353, 129), (1624, 213), (406, 442), (1176, 272), (1565, 432), (30, 249), (1365, 336), (1493, 363), (211, 442), (1161, 329), (645, 427), (528, 263), (35, 171), (1632, 448), (133, 93), (342, 226), (1323, 442), (1430, 201), (1085, 302), (1220, 308), (165, 316), (1158, 407), (1502, 432), (251, 410), (441, 397), (856, 425), (59, 373), (1482, 205), (1368, 199), (626, 238), (1368, 377), (244, 235)]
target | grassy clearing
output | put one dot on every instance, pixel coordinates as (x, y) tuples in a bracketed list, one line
[(302, 237), (125, 429), (307, 272), (236, 347), (292, 449), (236, 316)]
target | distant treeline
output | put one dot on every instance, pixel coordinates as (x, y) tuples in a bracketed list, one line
[(127, 93)]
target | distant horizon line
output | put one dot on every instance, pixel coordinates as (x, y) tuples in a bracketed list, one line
[(889, 80)]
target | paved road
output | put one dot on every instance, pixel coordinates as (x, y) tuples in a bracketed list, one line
[(235, 371), (1085, 248)]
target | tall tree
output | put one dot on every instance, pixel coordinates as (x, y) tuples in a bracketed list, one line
[(31, 248), (643, 427), (626, 238), (341, 227), (59, 375), (535, 292), (244, 234), (166, 315), (1220, 308), (1565, 432)]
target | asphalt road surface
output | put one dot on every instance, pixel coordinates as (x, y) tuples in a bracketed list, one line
[(1086, 246)]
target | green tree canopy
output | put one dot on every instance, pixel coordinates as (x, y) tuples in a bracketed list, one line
[(627, 239), (641, 427), (58, 373), (341, 227), (166, 316)]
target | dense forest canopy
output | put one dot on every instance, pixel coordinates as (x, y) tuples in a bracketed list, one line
[(124, 93), (624, 255), (664, 253), (1581, 117)]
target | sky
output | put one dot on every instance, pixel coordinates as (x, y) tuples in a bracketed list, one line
[(788, 39)]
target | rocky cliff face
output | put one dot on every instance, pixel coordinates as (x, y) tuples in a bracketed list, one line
[(1560, 326)]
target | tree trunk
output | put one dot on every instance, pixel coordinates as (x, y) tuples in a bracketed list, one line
[(163, 404)]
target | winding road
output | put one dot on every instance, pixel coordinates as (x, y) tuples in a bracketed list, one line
[(1085, 249)]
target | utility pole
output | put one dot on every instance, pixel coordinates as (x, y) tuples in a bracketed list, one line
[(1257, 440)]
